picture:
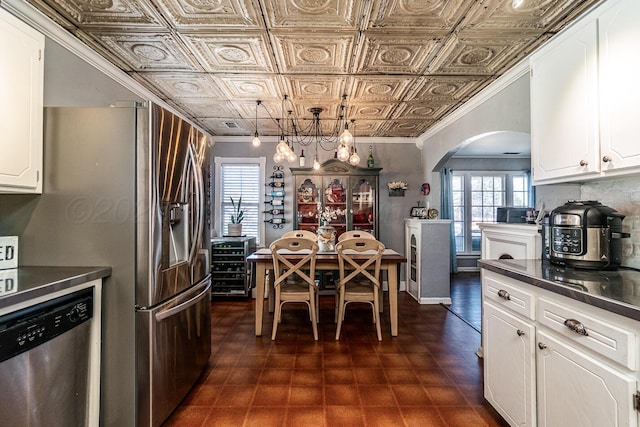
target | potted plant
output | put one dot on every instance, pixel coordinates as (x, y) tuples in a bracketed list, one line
[(235, 228), (396, 188)]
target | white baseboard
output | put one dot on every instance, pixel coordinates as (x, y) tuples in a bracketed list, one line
[(468, 269), (435, 301)]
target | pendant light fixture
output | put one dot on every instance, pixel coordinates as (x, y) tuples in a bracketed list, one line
[(256, 138), (340, 140)]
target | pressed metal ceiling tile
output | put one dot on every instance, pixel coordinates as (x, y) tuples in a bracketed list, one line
[(148, 51), (106, 13), (250, 87), (183, 85), (232, 52), (315, 87), (420, 110), (422, 14), (380, 88), (208, 108), (530, 17), (322, 53), (225, 14), (341, 14), (477, 54), (395, 53), (444, 87)]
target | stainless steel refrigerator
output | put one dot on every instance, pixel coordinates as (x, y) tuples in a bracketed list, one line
[(126, 187)]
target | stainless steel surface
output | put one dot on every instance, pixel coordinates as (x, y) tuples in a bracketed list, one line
[(38, 282), (405, 64), (48, 385), (106, 202), (179, 345)]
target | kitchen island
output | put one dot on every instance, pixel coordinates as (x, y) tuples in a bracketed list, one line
[(561, 344)]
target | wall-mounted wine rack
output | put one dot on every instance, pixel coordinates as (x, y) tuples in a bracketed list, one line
[(274, 206)]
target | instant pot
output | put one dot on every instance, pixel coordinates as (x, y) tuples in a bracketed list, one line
[(586, 234)]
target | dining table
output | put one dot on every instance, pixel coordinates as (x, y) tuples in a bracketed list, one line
[(262, 261)]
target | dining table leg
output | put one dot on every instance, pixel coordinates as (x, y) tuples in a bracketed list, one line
[(392, 276), (260, 284)]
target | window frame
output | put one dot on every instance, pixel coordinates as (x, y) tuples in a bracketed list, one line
[(219, 162), (467, 176)]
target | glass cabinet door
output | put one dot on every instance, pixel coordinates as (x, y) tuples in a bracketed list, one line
[(334, 205), (363, 204), (308, 199)]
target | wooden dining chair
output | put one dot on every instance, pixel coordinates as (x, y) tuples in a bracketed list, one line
[(355, 234), (301, 234), (359, 262), (294, 266)]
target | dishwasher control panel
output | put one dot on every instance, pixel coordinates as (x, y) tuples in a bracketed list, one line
[(27, 328)]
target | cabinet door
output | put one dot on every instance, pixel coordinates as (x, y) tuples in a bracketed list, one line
[(564, 107), (21, 86), (509, 368), (363, 204), (575, 389), (619, 34)]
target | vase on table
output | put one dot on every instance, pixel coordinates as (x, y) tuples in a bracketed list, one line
[(326, 238)]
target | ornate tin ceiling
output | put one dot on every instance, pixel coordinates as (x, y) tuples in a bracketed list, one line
[(404, 64)]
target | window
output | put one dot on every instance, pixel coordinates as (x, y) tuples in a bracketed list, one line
[(235, 178), (476, 197)]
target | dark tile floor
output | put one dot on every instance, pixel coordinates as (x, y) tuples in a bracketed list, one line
[(428, 375)]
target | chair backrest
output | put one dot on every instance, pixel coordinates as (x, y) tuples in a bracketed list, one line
[(355, 234), (300, 234), (359, 256), (294, 256)]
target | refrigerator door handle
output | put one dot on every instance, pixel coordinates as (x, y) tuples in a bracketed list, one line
[(161, 315), (198, 184)]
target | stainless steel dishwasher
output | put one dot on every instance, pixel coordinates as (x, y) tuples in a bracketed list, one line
[(44, 363)]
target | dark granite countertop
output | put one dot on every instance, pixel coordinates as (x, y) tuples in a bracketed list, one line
[(27, 283), (615, 291)]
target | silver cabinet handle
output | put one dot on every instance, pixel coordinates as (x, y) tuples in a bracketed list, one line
[(504, 294), (542, 346), (584, 162), (606, 159), (576, 327), (520, 332)]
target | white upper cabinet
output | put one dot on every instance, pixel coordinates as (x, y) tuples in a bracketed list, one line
[(564, 106), (584, 112), (619, 34), (21, 102)]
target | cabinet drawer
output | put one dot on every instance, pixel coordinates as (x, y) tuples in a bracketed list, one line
[(591, 330), (506, 292)]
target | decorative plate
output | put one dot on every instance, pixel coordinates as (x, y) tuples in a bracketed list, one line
[(433, 213)]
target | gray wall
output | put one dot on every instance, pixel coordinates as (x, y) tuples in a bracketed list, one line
[(70, 82)]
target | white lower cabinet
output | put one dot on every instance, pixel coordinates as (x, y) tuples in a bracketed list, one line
[(551, 361), (509, 365), (576, 389)]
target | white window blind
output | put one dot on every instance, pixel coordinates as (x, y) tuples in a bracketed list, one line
[(240, 179)]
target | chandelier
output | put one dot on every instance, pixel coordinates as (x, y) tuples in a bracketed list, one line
[(340, 140)]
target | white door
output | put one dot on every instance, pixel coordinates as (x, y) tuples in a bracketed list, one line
[(619, 30), (509, 368), (575, 389), (564, 106)]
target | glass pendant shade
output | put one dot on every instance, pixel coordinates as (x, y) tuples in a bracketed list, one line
[(316, 163), (277, 157)]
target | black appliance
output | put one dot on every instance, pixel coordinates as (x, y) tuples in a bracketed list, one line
[(586, 234), (512, 215)]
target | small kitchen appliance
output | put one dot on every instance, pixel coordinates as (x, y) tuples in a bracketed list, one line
[(586, 234)]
